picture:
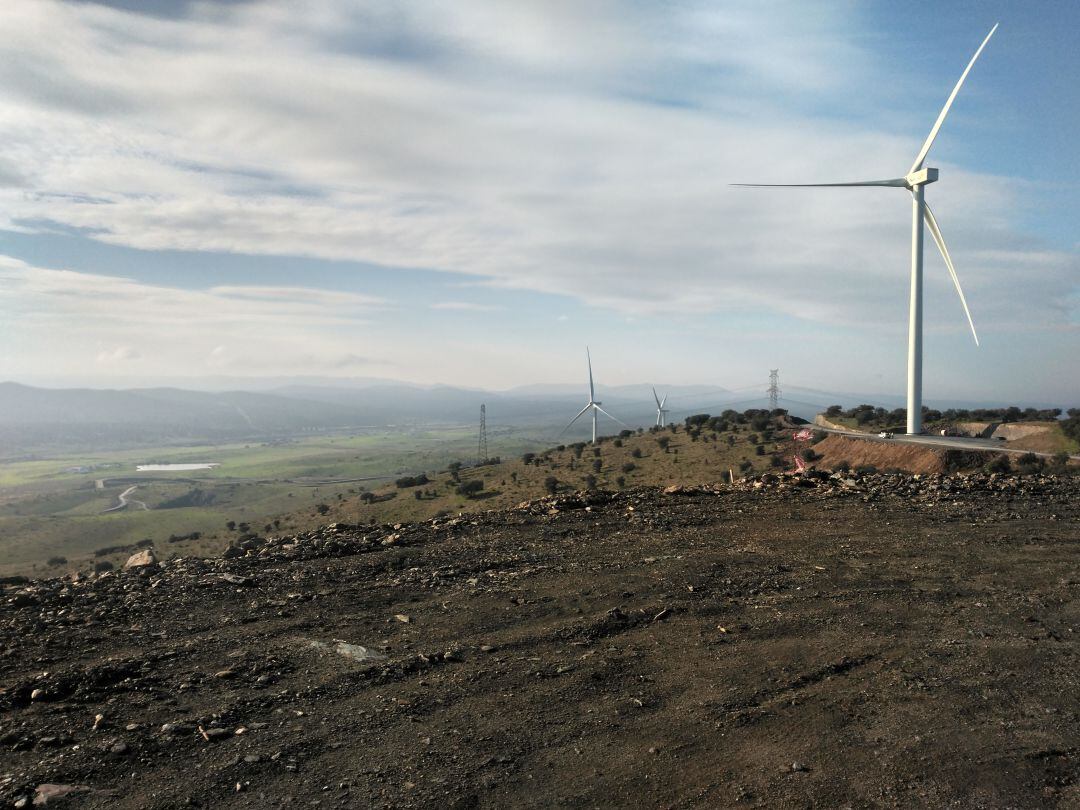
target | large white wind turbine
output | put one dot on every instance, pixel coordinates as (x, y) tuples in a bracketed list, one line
[(592, 404), (915, 181), (661, 411)]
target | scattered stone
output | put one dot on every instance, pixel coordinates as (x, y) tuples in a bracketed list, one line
[(402, 617), (119, 748), (47, 792), (234, 579), (225, 674), (39, 694), (141, 560)]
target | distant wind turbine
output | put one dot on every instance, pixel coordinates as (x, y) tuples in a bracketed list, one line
[(915, 181), (593, 404), (661, 412)]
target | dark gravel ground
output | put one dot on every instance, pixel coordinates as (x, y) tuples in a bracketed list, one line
[(872, 641)]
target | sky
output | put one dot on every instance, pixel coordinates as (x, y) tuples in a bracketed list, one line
[(470, 193)]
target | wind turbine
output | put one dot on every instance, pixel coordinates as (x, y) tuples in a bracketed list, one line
[(661, 411), (915, 181), (593, 404)]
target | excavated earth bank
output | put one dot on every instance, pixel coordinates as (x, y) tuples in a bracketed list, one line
[(862, 641)]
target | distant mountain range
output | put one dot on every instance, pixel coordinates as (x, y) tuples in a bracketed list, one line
[(33, 417)]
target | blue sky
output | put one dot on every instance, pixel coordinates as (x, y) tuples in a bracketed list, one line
[(470, 192)]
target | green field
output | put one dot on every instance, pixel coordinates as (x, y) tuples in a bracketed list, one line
[(48, 511)]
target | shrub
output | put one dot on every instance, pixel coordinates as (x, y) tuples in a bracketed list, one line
[(629, 467), (322, 508), (1029, 464), (663, 441), (527, 458), (551, 485), (636, 452), (597, 465), (411, 481), (57, 560), (590, 482), (1000, 464), (620, 482)]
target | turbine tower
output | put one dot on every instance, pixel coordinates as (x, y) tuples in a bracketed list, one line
[(661, 411), (592, 404), (915, 181), (774, 388)]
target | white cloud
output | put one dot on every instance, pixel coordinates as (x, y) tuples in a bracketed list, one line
[(464, 306), (81, 319), (116, 356)]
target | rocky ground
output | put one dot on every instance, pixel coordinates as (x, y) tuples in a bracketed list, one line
[(790, 641)]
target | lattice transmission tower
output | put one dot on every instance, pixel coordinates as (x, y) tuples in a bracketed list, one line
[(482, 449), (774, 388)]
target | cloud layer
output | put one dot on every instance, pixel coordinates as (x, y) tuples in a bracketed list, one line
[(577, 149)]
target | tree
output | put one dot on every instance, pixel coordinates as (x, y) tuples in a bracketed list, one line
[(833, 410), (597, 465), (527, 458), (454, 468), (471, 488)]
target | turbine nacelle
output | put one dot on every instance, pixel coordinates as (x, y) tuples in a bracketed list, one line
[(921, 178)]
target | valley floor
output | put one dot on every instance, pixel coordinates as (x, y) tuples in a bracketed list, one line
[(785, 646)]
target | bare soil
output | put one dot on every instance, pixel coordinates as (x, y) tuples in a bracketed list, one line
[(911, 644), (882, 455)]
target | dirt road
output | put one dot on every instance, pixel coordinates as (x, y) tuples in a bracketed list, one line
[(784, 647)]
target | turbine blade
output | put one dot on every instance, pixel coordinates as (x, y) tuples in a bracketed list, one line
[(918, 164), (609, 416), (570, 424), (931, 223), (663, 401), (898, 182), (654, 396), (592, 392)]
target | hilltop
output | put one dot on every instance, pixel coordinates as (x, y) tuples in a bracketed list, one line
[(302, 486), (794, 640)]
